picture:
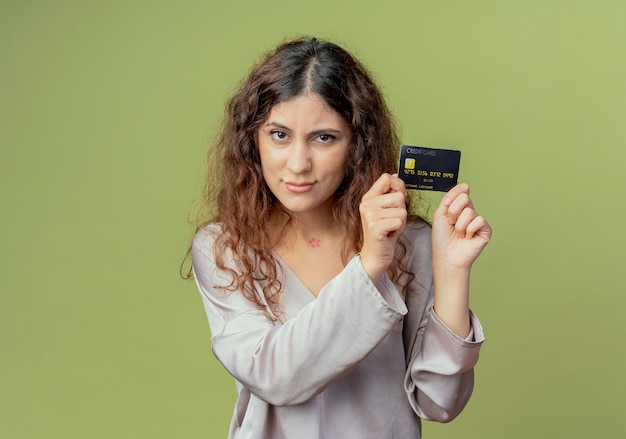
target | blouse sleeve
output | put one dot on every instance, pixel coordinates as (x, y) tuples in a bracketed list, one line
[(289, 363), (440, 375), (440, 365)]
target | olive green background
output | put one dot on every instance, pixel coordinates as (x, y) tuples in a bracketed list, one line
[(107, 109)]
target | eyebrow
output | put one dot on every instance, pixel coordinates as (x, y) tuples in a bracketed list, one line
[(312, 133)]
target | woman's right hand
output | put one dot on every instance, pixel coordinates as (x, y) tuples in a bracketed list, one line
[(383, 217)]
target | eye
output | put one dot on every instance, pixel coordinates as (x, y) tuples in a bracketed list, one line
[(278, 135), (325, 138)]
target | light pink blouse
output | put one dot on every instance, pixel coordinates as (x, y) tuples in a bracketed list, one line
[(358, 361)]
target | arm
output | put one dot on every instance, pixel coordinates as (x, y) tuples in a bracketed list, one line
[(442, 344), (440, 376), (459, 236), (290, 363)]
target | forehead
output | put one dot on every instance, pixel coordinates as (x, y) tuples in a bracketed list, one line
[(305, 109)]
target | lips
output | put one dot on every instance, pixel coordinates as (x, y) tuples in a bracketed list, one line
[(299, 187)]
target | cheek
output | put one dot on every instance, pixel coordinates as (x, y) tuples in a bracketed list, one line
[(265, 155), (272, 160), (338, 161), (263, 161)]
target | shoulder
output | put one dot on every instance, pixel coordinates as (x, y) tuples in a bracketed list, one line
[(205, 238), (203, 246), (210, 250), (210, 269)]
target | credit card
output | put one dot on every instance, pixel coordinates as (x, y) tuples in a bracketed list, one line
[(429, 169)]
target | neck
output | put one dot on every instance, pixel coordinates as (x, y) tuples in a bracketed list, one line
[(312, 228)]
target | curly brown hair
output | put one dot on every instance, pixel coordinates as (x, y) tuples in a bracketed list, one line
[(235, 188)]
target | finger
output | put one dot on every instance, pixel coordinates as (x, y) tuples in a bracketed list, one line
[(380, 186), (463, 222), (373, 217), (386, 227), (461, 202), (385, 183), (385, 201), (398, 212), (397, 185), (390, 200), (478, 226), (449, 197), (461, 188)]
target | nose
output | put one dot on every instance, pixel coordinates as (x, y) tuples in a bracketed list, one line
[(299, 160)]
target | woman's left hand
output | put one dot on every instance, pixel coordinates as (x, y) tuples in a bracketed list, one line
[(459, 233)]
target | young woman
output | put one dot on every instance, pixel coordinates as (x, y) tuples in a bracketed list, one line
[(338, 313)]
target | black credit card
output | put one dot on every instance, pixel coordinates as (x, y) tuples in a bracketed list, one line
[(429, 169)]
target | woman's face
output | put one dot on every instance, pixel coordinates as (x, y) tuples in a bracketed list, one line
[(303, 146)]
